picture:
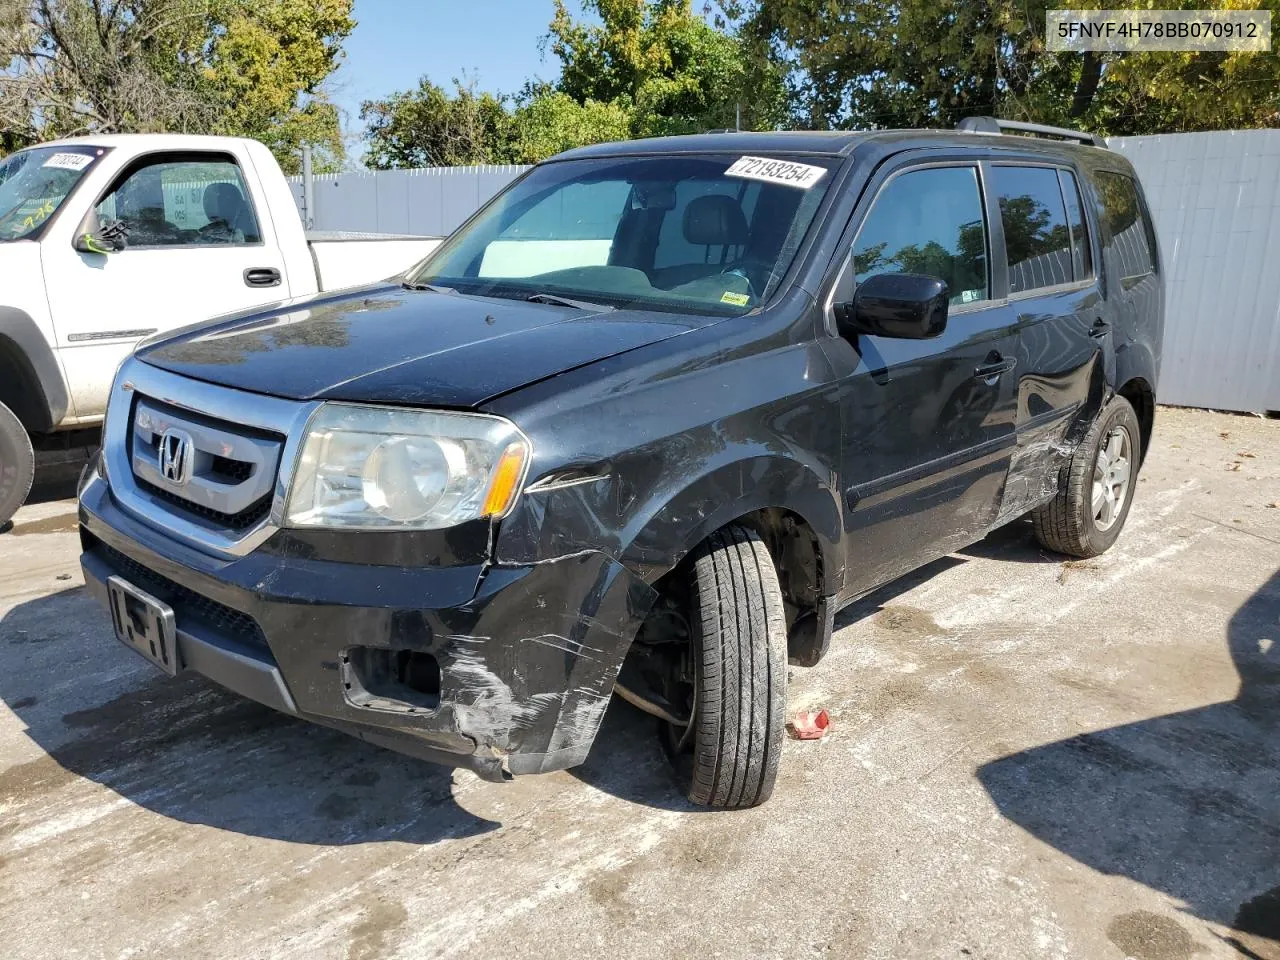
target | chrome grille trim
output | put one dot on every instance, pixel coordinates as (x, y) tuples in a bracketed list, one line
[(206, 487), (272, 415)]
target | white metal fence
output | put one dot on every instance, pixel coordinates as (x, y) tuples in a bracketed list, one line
[(1215, 200), (431, 202)]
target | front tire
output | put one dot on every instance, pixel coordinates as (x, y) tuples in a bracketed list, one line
[(1087, 515), (17, 464), (739, 648)]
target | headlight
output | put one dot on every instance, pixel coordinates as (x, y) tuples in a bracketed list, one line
[(386, 467)]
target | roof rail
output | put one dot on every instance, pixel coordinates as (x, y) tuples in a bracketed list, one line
[(992, 125)]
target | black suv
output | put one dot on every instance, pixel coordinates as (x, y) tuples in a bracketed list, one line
[(642, 425)]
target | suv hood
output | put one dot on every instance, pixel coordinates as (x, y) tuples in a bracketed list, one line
[(387, 344)]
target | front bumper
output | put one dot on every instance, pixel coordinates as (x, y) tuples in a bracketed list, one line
[(527, 655)]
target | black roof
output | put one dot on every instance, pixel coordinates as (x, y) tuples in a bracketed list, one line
[(833, 143)]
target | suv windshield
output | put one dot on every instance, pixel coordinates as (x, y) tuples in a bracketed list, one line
[(697, 233), (33, 184)]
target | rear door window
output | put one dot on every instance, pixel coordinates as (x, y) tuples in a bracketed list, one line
[(1036, 236), (928, 221), (1127, 233)]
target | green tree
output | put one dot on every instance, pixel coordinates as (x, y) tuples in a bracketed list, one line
[(914, 63), (434, 127), (266, 67), (647, 68), (242, 67), (678, 72), (866, 63), (550, 122)]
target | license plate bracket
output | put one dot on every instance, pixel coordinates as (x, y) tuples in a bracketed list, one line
[(144, 624)]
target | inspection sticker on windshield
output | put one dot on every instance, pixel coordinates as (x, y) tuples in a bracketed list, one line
[(776, 171), (69, 161)]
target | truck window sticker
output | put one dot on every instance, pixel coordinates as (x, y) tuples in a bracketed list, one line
[(69, 161)]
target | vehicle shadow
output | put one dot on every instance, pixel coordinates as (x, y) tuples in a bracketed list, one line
[(881, 597), (193, 752), (53, 488), (1187, 803), (627, 761), (1015, 541)]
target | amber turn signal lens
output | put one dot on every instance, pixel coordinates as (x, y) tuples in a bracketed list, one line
[(506, 481)]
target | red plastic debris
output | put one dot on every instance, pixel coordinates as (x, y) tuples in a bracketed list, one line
[(809, 725)]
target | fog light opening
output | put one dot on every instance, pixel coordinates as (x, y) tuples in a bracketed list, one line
[(397, 681)]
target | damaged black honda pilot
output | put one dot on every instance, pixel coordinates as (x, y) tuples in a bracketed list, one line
[(642, 425)]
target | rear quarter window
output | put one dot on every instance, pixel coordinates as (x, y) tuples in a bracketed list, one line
[(1127, 231)]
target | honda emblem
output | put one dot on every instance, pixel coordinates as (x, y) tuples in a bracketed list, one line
[(177, 455)]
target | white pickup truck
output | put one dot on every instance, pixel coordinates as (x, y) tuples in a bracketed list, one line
[(107, 240)]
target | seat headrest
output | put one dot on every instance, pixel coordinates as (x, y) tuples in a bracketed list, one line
[(714, 220), (223, 201)]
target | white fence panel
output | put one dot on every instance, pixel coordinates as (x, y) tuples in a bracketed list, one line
[(1215, 200)]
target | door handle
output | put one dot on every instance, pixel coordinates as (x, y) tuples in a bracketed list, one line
[(1099, 329), (262, 277), (994, 366)]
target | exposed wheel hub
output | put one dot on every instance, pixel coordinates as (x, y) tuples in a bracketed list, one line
[(1112, 472)]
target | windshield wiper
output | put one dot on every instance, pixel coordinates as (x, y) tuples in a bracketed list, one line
[(557, 300), (430, 287)]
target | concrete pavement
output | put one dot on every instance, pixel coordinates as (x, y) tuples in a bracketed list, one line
[(1029, 758)]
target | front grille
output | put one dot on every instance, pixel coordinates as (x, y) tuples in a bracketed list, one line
[(233, 471), (187, 604), (236, 521), (230, 469)]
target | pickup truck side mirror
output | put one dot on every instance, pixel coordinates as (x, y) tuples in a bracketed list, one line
[(906, 306), (93, 237)]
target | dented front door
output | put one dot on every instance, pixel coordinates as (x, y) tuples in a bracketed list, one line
[(927, 425)]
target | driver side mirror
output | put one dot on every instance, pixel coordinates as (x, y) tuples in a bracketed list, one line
[(93, 237), (906, 306)]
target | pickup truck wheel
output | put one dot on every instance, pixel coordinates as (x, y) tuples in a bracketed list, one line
[(739, 652), (1087, 515), (17, 465)]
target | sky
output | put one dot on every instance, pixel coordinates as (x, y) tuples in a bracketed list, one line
[(396, 43)]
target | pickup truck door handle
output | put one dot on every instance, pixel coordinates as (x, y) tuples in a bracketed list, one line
[(995, 365), (262, 277), (1099, 329)]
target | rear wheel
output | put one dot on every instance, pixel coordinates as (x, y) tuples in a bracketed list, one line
[(737, 686), (1087, 515), (17, 464)]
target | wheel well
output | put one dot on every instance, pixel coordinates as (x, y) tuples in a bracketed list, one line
[(20, 389), (1143, 400), (797, 555)]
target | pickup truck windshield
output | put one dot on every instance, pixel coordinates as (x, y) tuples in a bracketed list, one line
[(681, 233), (33, 184)]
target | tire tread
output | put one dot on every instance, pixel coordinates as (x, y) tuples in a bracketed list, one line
[(1065, 523), (742, 648)]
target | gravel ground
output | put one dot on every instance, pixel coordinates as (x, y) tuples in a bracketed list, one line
[(1029, 758)]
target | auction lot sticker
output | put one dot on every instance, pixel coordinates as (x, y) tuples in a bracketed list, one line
[(1168, 30), (792, 174), (69, 161)]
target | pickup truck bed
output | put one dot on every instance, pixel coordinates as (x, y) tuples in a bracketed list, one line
[(347, 258)]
